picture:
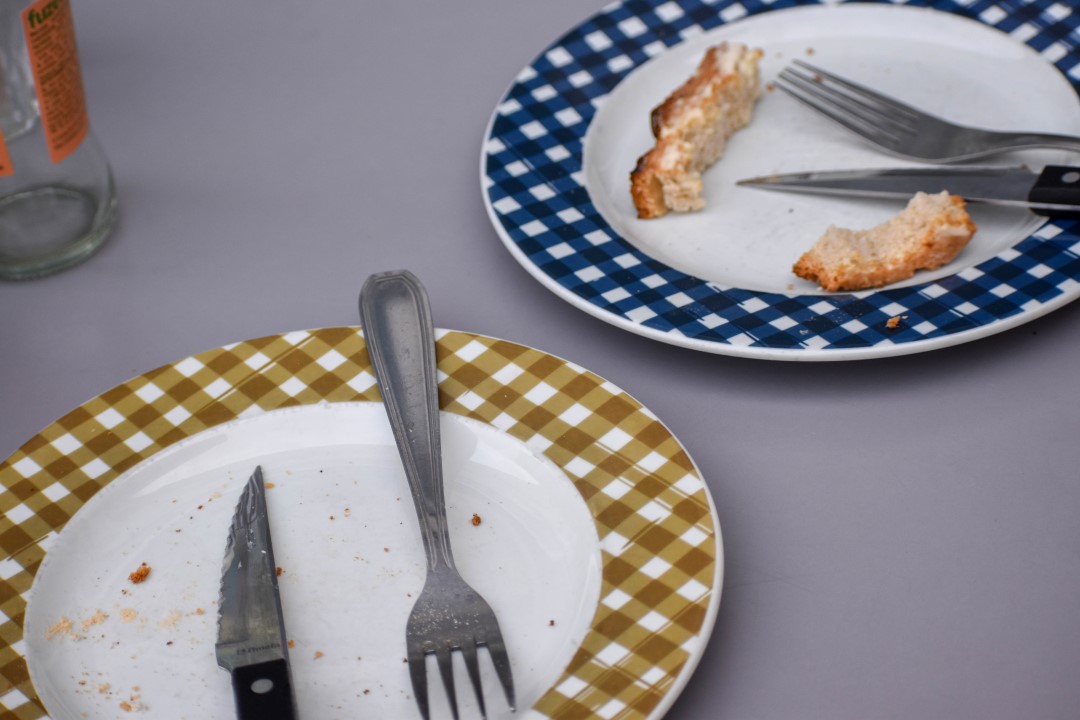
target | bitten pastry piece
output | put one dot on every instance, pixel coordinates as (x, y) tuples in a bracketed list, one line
[(930, 232), (691, 128)]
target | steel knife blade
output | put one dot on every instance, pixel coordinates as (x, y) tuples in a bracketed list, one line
[(1055, 191), (251, 641)]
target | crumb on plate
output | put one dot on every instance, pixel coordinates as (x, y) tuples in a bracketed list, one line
[(140, 574), (60, 627), (96, 619)]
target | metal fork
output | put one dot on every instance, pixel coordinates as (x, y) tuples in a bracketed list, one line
[(901, 129), (449, 615)]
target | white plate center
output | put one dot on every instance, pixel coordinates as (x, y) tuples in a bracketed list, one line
[(750, 238), (346, 538)]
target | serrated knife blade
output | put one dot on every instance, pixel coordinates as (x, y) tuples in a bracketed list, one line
[(251, 642)]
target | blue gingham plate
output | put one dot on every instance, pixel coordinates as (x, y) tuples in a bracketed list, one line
[(560, 145)]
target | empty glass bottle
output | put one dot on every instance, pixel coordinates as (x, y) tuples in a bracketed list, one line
[(57, 200)]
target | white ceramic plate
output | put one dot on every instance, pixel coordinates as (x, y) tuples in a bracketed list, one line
[(572, 510), (345, 535), (720, 280)]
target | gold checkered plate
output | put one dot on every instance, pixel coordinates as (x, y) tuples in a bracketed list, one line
[(576, 513)]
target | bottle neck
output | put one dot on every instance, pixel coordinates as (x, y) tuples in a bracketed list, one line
[(18, 101)]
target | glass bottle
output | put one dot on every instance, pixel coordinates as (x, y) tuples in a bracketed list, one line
[(57, 199)]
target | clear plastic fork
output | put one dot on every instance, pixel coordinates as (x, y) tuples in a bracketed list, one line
[(899, 128)]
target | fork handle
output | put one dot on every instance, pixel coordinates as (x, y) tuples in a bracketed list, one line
[(1020, 140), (400, 336)]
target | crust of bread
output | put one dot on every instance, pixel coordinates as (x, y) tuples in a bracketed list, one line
[(928, 233), (646, 189), (691, 128)]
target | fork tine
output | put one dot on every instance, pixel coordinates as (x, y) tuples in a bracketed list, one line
[(846, 102), (472, 664), (418, 675), (446, 669), (872, 133), (844, 99), (891, 104), (497, 648)]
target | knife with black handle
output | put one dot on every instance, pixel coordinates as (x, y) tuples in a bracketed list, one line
[(251, 628), (1054, 191)]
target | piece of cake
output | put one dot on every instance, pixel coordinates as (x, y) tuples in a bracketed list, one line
[(692, 127), (929, 232)]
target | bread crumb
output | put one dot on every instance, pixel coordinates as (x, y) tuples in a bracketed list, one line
[(133, 703), (60, 627), (770, 86), (268, 486), (809, 51), (279, 571), (291, 643), (128, 615), (103, 688), (476, 519), (140, 574), (96, 619), (551, 623), (171, 619), (318, 654), (894, 322), (386, 549)]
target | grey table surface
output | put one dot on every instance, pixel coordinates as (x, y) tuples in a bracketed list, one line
[(901, 534)]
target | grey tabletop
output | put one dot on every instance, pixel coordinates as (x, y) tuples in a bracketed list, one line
[(900, 534)]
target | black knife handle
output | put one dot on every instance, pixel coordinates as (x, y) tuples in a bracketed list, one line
[(264, 691), (1058, 185)]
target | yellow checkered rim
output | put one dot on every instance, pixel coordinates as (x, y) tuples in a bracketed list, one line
[(653, 515)]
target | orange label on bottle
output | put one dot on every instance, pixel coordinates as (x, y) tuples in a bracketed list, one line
[(5, 159), (50, 40)]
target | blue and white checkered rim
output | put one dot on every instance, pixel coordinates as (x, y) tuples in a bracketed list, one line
[(533, 184)]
